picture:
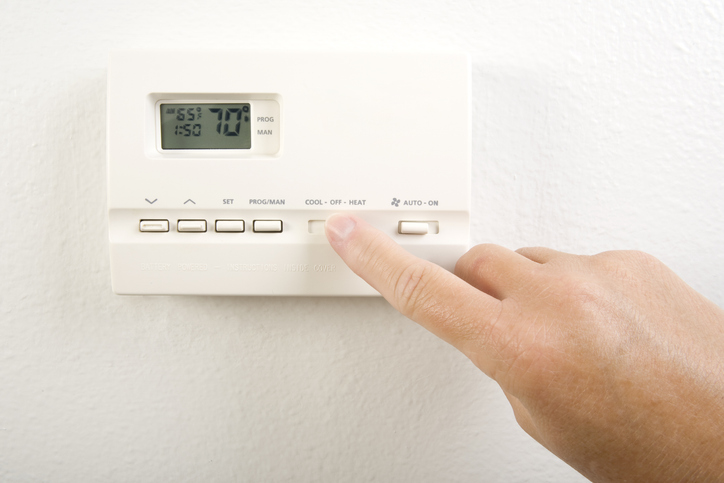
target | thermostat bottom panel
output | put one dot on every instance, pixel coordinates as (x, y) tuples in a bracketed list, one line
[(259, 253)]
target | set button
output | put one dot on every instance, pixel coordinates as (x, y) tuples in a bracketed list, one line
[(230, 226)]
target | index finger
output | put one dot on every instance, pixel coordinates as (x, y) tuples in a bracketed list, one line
[(426, 293)]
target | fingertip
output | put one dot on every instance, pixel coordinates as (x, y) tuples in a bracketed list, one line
[(338, 227)]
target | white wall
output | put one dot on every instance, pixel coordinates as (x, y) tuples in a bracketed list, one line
[(598, 125)]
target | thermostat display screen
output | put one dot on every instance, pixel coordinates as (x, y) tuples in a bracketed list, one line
[(205, 126)]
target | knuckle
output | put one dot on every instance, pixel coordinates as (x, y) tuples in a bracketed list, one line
[(644, 260), (580, 292), (571, 293), (484, 250), (537, 253), (627, 265), (475, 259), (524, 250)]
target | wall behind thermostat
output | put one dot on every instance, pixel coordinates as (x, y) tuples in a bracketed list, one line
[(595, 126)]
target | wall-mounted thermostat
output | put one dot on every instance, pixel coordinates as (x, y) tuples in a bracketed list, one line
[(223, 166)]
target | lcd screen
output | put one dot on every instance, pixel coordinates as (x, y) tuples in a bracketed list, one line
[(205, 126)]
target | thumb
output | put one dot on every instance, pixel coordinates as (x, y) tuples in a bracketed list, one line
[(426, 293)]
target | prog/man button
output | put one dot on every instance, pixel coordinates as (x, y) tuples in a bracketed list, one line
[(268, 226)]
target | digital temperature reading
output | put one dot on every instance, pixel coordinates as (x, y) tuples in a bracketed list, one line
[(205, 126)]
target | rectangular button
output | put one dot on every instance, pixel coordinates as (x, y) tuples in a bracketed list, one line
[(229, 226), (191, 226), (153, 225), (267, 226), (414, 228)]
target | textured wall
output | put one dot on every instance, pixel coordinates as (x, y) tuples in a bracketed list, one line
[(597, 125)]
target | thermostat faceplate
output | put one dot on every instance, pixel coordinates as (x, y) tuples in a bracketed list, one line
[(222, 167)]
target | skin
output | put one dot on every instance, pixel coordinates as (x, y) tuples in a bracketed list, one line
[(609, 361)]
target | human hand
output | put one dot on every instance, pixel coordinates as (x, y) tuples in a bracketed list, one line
[(610, 361)]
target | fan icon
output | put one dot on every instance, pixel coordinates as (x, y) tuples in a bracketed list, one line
[(395, 202)]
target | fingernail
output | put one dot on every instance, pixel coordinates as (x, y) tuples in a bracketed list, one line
[(339, 226)]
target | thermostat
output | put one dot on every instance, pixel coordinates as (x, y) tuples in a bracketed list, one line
[(223, 166)]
